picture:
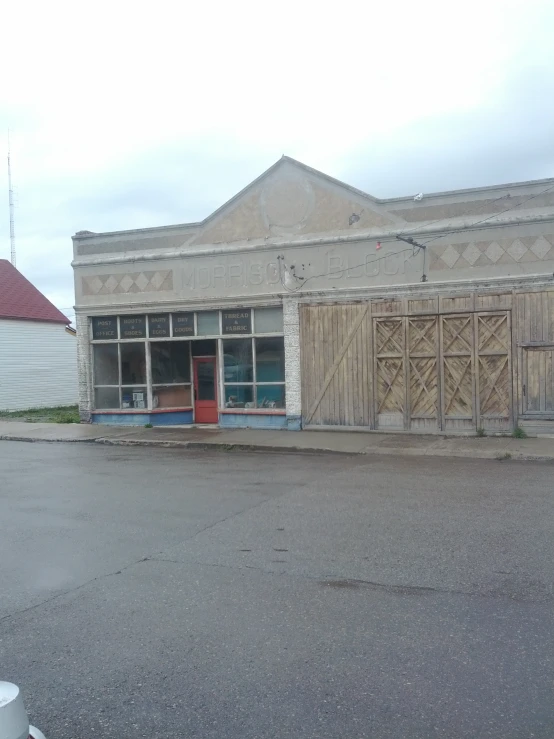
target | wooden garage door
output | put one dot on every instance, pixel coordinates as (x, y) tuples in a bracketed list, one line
[(406, 373), (476, 372), (494, 371), (390, 372), (336, 365), (431, 372), (457, 372), (423, 385)]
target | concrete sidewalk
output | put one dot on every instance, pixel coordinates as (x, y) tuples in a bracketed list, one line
[(343, 442)]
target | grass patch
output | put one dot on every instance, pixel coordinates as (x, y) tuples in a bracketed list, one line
[(148, 426), (519, 433), (481, 431), (58, 414)]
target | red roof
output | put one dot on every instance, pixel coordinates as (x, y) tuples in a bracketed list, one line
[(20, 299)]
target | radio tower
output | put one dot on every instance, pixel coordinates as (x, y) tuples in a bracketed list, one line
[(10, 189)]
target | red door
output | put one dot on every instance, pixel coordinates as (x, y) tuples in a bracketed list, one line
[(205, 390)]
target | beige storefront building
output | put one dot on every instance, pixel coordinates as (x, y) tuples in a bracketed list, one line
[(297, 305)]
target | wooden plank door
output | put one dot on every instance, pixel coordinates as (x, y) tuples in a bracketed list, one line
[(458, 372), (423, 385), (335, 365), (494, 371), (538, 381), (390, 373)]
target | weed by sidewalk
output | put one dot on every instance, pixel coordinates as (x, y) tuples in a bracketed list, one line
[(519, 433), (58, 414)]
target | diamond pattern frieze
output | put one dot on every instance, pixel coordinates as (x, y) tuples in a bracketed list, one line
[(541, 247), (517, 250), (494, 251), (450, 256), (137, 282), (471, 253)]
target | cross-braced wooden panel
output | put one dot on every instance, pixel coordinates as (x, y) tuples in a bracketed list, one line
[(457, 352), (390, 385), (493, 349), (423, 367), (493, 333), (390, 379), (389, 336)]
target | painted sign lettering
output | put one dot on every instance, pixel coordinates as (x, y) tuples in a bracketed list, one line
[(104, 328), (133, 327), (236, 321), (183, 324), (158, 325)]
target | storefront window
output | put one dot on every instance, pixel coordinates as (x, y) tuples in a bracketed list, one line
[(207, 323), (106, 398), (239, 396), (245, 388), (270, 360), (134, 397), (106, 364), (268, 320), (170, 374), (253, 372), (237, 360), (270, 396), (133, 364), (112, 361), (170, 362)]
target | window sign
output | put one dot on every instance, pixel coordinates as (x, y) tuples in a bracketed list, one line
[(183, 324), (104, 327), (238, 321), (133, 327), (158, 325)]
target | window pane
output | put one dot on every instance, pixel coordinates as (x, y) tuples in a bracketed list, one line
[(237, 360), (270, 360), (104, 327), (270, 396), (171, 396), (133, 397), (132, 327), (208, 323), (133, 364), (239, 396), (268, 320), (170, 362), (158, 325), (105, 365), (205, 387), (106, 397)]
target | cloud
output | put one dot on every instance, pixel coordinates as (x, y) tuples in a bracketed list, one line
[(508, 139), (127, 119)]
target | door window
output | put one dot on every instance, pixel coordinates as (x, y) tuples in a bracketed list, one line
[(205, 372)]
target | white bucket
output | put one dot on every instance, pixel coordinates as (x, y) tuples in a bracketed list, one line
[(14, 723)]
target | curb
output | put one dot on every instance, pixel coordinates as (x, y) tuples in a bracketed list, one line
[(498, 454), (222, 446), (38, 440)]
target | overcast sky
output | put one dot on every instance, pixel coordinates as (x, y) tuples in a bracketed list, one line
[(122, 118)]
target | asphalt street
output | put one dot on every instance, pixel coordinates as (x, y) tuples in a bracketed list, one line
[(170, 593)]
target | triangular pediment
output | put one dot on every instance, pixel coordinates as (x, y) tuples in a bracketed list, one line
[(291, 200)]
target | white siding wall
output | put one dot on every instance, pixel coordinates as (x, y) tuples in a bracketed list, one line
[(38, 365)]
